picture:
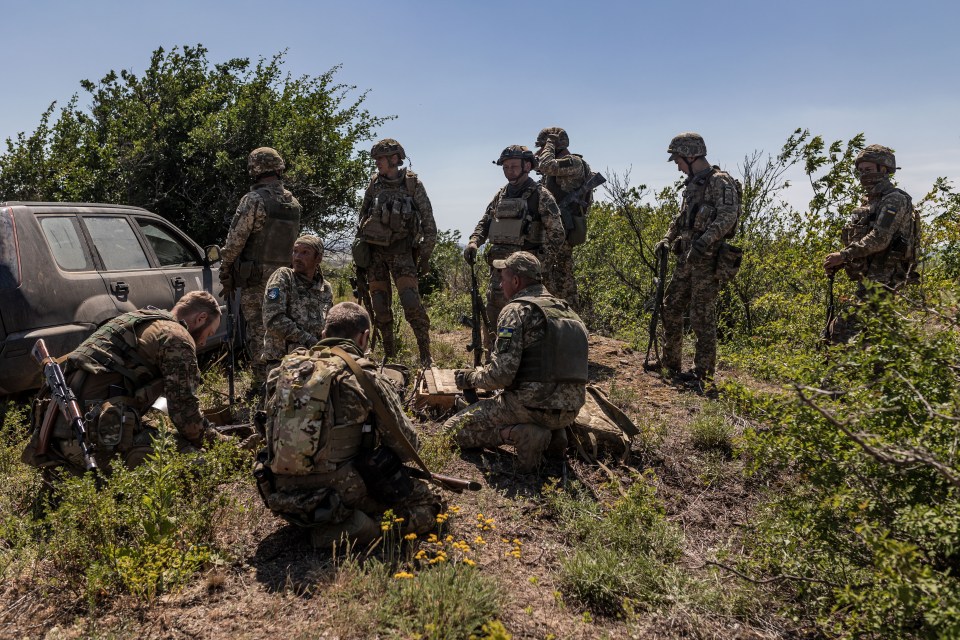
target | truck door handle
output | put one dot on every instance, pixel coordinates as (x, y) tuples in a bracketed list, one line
[(120, 288), (179, 283)]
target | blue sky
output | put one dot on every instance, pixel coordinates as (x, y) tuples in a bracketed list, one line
[(467, 79)]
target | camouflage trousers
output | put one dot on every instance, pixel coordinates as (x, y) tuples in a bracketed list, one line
[(251, 306), (404, 271), (480, 425), (559, 279), (694, 285), (336, 506)]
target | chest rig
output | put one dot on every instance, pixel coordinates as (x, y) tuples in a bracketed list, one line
[(516, 222)]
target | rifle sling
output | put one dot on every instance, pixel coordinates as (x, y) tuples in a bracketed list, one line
[(384, 416)]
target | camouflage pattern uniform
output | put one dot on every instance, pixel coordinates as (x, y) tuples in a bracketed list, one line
[(163, 363), (245, 231), (336, 503), (538, 411), (546, 244), (563, 176), (708, 214), (403, 259), (294, 311)]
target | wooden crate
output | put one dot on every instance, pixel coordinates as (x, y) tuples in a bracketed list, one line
[(437, 389)]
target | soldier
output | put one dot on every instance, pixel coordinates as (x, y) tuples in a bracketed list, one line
[(396, 222), (120, 371), (540, 363), (331, 465), (258, 243), (564, 173), (295, 302), (708, 215), (522, 216)]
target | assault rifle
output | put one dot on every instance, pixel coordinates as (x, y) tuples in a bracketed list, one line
[(479, 314), (232, 355), (361, 291), (659, 281), (66, 402), (456, 485), (579, 194)]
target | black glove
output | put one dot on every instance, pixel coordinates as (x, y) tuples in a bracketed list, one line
[(470, 253), (700, 246), (423, 266), (460, 377), (226, 279)]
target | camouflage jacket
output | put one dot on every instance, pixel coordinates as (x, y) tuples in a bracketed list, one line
[(881, 236), (521, 324), (248, 221), (710, 209), (561, 175), (547, 215), (428, 225), (294, 311)]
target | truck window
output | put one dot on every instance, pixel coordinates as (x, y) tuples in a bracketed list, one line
[(9, 260), (62, 234), (171, 250), (116, 243)]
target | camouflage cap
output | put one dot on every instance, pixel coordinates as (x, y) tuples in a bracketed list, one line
[(387, 147), (562, 139), (517, 151), (687, 144), (264, 160), (522, 263), (878, 154), (312, 241)]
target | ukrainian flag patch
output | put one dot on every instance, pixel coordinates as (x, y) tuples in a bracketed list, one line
[(505, 332)]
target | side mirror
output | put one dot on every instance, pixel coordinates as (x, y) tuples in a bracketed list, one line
[(212, 254)]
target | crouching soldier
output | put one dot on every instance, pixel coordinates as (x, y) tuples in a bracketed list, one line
[(540, 362), (336, 442)]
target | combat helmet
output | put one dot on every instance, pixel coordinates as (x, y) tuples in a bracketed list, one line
[(516, 151), (688, 145), (264, 160), (387, 147), (562, 139), (878, 154)]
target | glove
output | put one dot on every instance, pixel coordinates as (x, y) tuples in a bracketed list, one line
[(470, 253), (460, 377), (700, 246), (423, 266), (226, 279)]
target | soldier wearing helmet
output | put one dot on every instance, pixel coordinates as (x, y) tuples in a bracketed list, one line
[(880, 240), (396, 223), (563, 174), (259, 241), (523, 216), (708, 216)]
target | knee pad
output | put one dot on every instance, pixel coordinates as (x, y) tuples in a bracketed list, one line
[(410, 298), (381, 306)]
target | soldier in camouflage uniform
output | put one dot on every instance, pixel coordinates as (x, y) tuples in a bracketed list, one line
[(522, 216), (564, 173), (880, 239), (540, 363), (330, 497), (708, 215), (295, 302), (258, 243), (396, 221), (120, 371)]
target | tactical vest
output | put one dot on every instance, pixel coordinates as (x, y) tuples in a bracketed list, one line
[(697, 214), (393, 215), (516, 224), (900, 254), (272, 247), (572, 215), (563, 353), (306, 433), (113, 348)]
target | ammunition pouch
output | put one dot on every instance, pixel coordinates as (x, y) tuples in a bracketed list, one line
[(246, 274), (577, 233), (361, 253), (704, 216), (384, 475), (729, 258), (114, 424)]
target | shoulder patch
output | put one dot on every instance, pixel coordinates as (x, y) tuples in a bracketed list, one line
[(565, 162), (505, 332), (273, 294)]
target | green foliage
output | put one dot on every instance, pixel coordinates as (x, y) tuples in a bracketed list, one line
[(175, 140), (710, 430), (872, 530)]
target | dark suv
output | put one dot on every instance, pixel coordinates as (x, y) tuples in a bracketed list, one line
[(66, 268)]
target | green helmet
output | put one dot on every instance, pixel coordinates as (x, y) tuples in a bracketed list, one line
[(562, 139), (264, 160), (387, 147), (517, 151), (688, 145), (878, 154)]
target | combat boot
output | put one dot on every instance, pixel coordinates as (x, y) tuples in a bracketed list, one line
[(558, 444), (530, 441)]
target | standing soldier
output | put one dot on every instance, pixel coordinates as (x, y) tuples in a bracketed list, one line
[(522, 216), (564, 173), (881, 237), (295, 302), (396, 222), (708, 216), (261, 235)]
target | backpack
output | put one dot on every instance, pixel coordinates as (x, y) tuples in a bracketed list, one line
[(601, 425)]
